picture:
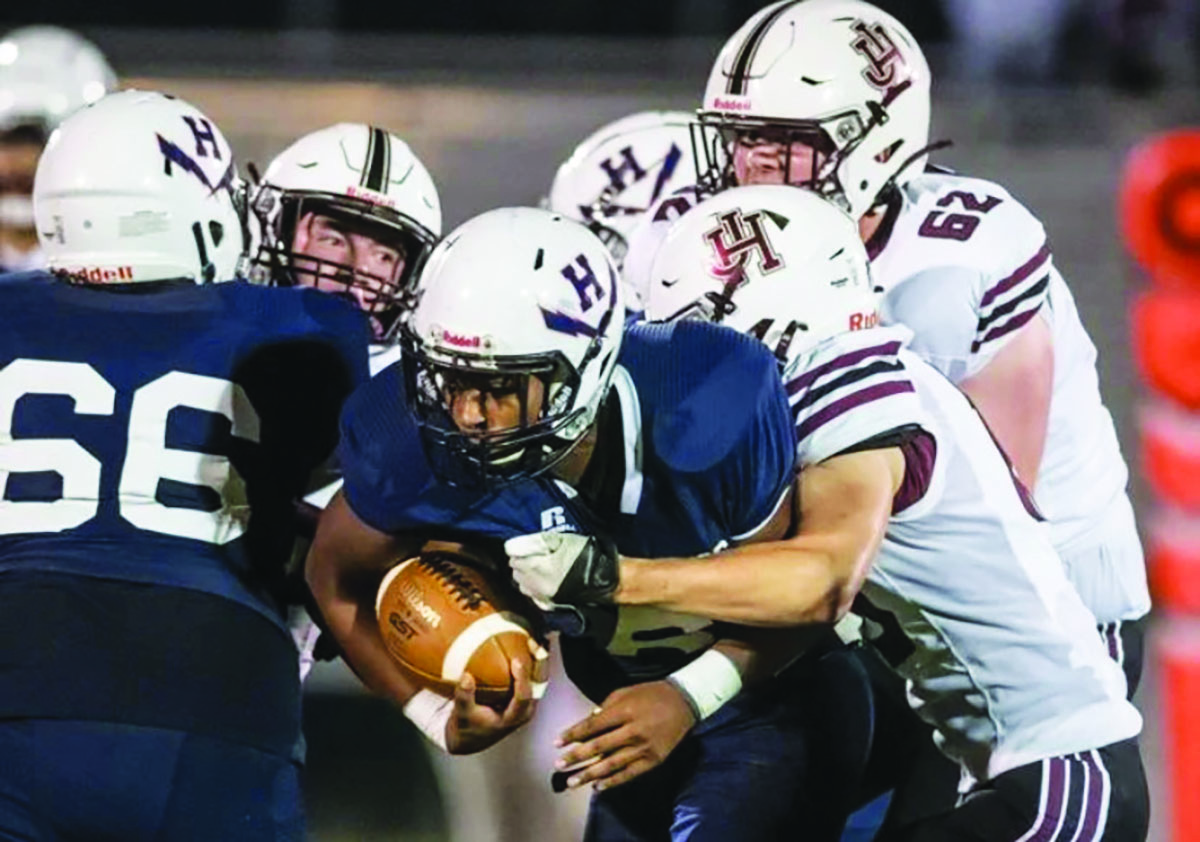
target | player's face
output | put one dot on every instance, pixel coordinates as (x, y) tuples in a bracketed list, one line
[(346, 260), (768, 156), (485, 403)]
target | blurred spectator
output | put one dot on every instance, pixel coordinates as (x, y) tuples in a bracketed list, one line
[(1041, 41)]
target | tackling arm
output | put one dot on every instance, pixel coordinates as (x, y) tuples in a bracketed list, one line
[(843, 505), (759, 653)]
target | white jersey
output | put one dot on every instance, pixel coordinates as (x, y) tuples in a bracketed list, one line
[(1008, 667), (965, 265)]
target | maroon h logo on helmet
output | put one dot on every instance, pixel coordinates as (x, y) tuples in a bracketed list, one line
[(736, 239), (884, 60)]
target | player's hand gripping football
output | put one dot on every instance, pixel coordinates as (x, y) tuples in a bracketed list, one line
[(563, 568), (632, 732), (473, 727)]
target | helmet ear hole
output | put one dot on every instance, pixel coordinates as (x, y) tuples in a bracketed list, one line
[(217, 231)]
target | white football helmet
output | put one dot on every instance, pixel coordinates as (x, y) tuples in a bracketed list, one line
[(512, 294), (840, 76), (46, 73), (773, 261), (139, 186), (620, 170), (362, 175)]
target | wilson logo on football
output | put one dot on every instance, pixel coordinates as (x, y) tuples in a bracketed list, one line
[(412, 595), (735, 239)]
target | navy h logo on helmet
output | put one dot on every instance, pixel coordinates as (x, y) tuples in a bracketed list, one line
[(585, 283), (204, 135), (616, 174), (172, 154)]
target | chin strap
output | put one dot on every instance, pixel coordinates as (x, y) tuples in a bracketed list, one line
[(208, 271), (924, 150)]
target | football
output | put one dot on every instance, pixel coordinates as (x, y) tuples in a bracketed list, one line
[(441, 615)]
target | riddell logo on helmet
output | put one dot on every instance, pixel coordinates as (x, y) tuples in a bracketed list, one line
[(370, 196), (862, 321), (461, 341), (732, 104), (99, 274)]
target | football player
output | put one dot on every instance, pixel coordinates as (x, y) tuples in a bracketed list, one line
[(620, 171), (532, 408), (351, 210), (151, 456), (902, 494), (348, 209), (834, 96), (45, 74)]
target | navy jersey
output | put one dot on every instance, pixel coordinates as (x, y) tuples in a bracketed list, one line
[(703, 453), (155, 437)]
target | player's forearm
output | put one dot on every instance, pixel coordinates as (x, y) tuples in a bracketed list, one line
[(770, 584), (759, 653), (353, 625), (345, 563)]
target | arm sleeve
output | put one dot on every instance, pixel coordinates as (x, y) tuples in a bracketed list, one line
[(1008, 304), (965, 311), (938, 305), (850, 389)]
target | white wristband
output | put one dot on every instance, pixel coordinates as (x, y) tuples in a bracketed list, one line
[(708, 682), (430, 713)]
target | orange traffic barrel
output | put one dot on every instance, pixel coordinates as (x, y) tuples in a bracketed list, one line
[(1159, 205), (1173, 560), (1169, 438), (1166, 343)]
